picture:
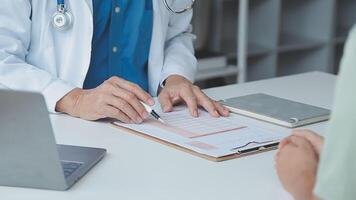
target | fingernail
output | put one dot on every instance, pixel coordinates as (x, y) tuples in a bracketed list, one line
[(151, 102), (195, 113)]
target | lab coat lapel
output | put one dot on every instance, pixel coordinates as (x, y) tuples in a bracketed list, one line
[(75, 65), (159, 31), (90, 5)]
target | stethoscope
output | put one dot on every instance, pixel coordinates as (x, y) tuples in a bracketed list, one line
[(186, 9), (63, 19)]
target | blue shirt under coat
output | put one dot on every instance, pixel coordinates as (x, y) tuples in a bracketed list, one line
[(121, 41)]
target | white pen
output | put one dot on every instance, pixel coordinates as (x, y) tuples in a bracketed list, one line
[(152, 112)]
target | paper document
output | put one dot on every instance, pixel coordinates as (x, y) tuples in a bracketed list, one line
[(215, 137)]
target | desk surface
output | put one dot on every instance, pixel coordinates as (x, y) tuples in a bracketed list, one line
[(137, 168)]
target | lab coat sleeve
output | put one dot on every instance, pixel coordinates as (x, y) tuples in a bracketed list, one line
[(179, 51), (15, 72)]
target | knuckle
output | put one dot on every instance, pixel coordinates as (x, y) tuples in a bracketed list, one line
[(123, 104), (186, 86), (106, 81), (192, 99), (108, 86), (131, 97), (114, 78), (195, 87), (128, 97), (134, 87)]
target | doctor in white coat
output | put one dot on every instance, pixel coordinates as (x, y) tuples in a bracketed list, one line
[(35, 56)]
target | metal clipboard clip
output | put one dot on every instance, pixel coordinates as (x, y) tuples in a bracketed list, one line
[(269, 144)]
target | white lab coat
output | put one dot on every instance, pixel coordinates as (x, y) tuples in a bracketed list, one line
[(36, 57)]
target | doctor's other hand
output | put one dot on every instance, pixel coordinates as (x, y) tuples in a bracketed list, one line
[(178, 89), (115, 98)]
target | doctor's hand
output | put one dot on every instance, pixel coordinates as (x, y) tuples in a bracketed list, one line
[(115, 98), (178, 89)]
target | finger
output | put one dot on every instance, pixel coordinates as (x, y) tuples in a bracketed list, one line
[(134, 88), (132, 100), (165, 101), (190, 99), (311, 140), (283, 143), (222, 109), (305, 133), (176, 100), (276, 157), (299, 141), (112, 112), (205, 102), (315, 139), (125, 107), (286, 152)]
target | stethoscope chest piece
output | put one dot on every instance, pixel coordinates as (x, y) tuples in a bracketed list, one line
[(62, 19)]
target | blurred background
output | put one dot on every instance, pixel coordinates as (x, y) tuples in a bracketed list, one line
[(247, 40)]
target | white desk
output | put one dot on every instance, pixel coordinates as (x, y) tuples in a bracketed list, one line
[(137, 168)]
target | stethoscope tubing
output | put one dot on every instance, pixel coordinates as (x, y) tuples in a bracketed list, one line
[(66, 16), (188, 8), (60, 2)]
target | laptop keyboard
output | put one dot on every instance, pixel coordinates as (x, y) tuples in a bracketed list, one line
[(70, 167)]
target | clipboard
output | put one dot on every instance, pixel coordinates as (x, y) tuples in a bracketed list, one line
[(238, 154)]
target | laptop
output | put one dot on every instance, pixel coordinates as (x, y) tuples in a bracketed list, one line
[(29, 155)]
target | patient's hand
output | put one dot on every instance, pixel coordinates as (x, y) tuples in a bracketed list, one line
[(296, 164), (315, 140)]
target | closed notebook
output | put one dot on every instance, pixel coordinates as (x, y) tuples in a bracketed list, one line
[(277, 110)]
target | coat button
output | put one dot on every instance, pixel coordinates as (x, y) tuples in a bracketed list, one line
[(117, 9), (114, 49)]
